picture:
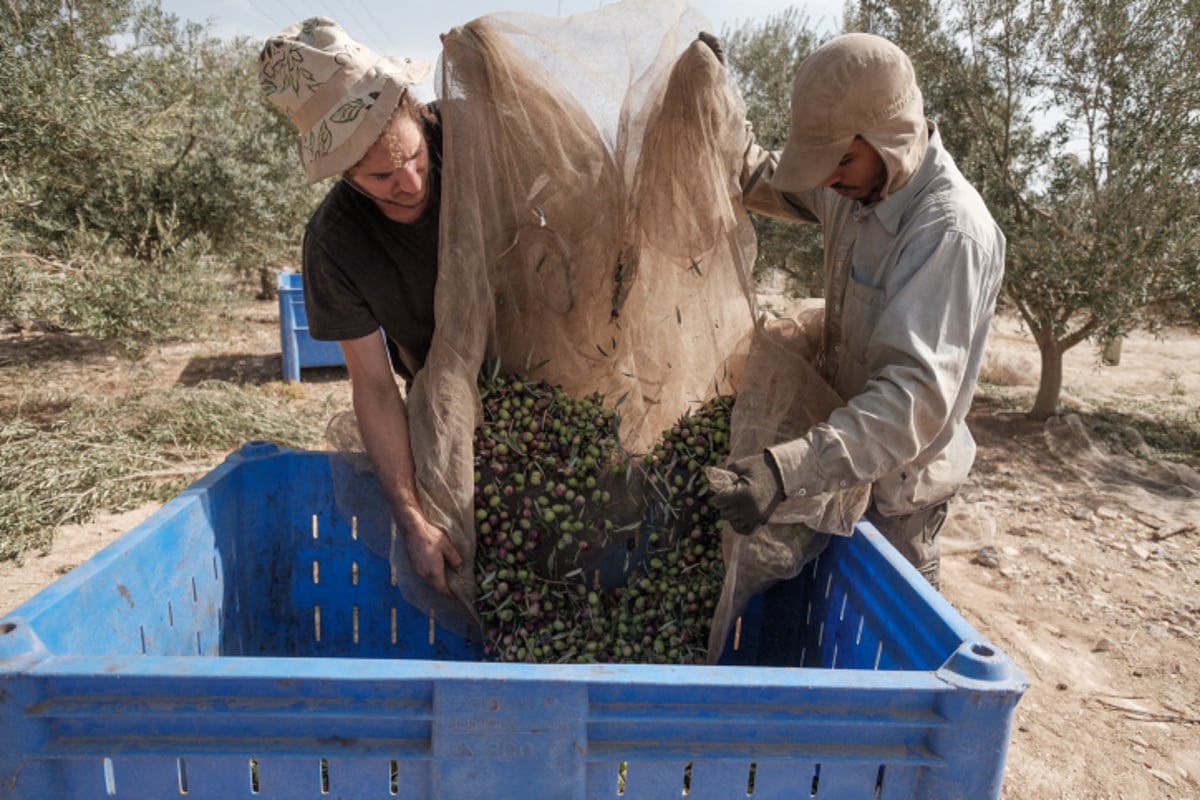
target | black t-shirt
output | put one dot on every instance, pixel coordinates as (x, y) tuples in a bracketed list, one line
[(363, 271)]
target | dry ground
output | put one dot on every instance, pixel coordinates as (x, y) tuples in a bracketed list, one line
[(1077, 560)]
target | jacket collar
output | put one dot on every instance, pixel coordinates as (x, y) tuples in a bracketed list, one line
[(891, 210)]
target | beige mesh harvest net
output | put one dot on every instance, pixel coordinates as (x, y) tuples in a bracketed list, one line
[(592, 237)]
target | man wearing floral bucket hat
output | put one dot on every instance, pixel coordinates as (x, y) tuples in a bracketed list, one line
[(370, 250), (913, 264)]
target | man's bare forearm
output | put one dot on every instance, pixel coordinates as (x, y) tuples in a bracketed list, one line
[(383, 422)]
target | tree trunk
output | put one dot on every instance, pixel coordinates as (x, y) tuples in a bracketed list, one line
[(1111, 354), (1050, 386)]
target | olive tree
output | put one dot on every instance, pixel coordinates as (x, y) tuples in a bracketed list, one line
[(139, 168), (1117, 217)]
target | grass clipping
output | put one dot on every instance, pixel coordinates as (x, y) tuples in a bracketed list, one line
[(116, 454)]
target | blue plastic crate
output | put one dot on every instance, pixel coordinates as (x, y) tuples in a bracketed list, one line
[(299, 349), (243, 642)]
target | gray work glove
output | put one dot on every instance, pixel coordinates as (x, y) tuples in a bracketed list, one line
[(714, 44), (751, 500)]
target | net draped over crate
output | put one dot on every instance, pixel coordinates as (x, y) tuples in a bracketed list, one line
[(782, 396), (592, 237)]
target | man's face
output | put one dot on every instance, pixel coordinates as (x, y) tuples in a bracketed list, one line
[(395, 171), (860, 175)]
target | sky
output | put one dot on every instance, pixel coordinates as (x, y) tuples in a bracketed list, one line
[(408, 28)]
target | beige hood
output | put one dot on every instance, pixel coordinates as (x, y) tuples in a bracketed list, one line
[(858, 84)]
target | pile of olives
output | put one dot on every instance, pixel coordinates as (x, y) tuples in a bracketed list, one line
[(584, 553)]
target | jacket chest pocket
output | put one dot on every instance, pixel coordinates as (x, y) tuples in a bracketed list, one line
[(861, 309)]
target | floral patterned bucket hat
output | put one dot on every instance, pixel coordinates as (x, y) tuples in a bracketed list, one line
[(337, 92)]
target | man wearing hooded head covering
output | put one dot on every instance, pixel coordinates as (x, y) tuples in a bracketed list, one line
[(913, 264), (370, 250)]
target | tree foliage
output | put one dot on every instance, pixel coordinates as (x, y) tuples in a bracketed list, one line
[(763, 57), (137, 164)]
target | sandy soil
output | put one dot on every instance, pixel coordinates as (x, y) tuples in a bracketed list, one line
[(1077, 559)]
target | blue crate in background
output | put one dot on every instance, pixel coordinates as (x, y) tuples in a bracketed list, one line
[(299, 349), (245, 642)]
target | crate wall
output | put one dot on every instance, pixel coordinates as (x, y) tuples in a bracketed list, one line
[(247, 642)]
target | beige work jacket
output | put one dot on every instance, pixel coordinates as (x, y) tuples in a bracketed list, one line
[(910, 289)]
